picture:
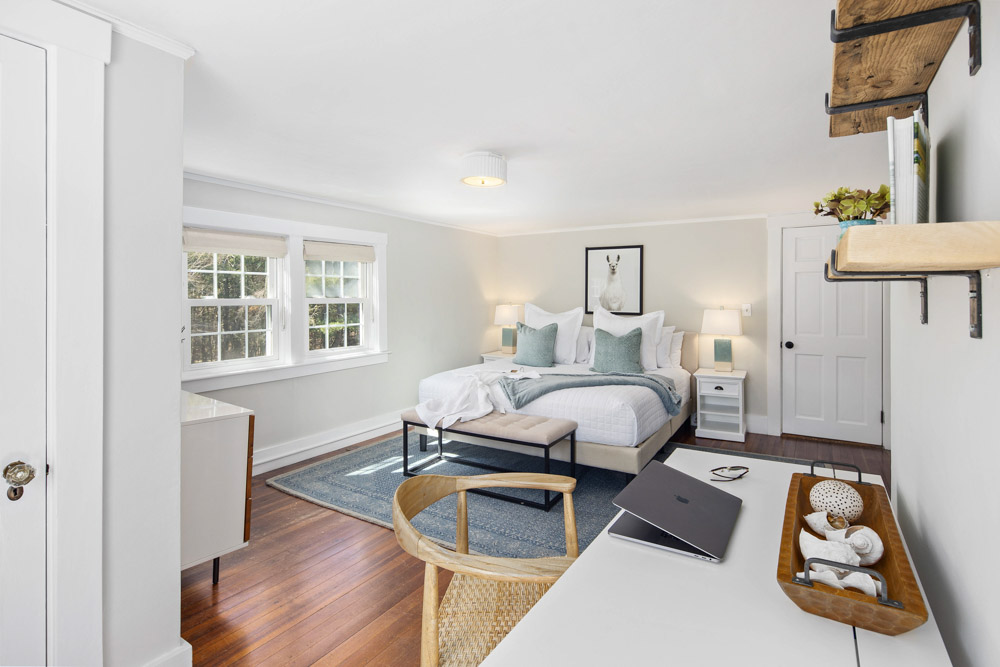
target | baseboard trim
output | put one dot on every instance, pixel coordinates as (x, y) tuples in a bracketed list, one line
[(286, 453), (178, 657)]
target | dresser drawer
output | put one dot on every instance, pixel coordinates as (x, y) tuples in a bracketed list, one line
[(719, 388)]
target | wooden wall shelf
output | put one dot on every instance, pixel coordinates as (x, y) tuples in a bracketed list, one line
[(887, 66), (944, 246), (888, 253)]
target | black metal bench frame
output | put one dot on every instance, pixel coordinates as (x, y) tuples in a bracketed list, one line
[(549, 502)]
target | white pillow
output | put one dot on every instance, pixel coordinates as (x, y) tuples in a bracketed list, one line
[(663, 347), (618, 325), (675, 349), (584, 343), (568, 329)]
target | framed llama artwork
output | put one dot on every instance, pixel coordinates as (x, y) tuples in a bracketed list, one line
[(613, 278)]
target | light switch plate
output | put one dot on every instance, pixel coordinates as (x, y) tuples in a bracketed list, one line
[(746, 310)]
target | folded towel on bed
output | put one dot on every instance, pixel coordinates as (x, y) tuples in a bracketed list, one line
[(520, 392)]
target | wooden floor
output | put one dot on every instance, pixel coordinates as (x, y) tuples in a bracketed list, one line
[(319, 587)]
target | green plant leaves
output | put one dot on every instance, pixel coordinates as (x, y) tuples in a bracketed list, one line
[(850, 204)]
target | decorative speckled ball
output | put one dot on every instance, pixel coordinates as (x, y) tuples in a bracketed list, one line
[(836, 498)]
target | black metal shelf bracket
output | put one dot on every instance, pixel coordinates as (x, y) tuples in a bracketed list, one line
[(831, 274), (921, 98), (962, 10)]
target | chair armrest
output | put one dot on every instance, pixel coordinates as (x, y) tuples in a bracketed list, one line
[(529, 570), (518, 480)]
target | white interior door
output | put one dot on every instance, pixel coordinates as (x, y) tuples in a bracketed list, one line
[(831, 367), (22, 350)]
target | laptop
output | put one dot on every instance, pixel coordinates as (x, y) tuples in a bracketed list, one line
[(667, 509)]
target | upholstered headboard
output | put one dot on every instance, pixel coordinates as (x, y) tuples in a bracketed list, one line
[(689, 352)]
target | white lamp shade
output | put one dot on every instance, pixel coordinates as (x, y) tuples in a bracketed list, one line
[(721, 322), (484, 169), (507, 315)]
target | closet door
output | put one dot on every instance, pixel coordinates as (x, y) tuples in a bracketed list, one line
[(831, 364), (23, 364)]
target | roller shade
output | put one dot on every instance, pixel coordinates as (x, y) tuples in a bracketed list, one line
[(337, 252), (211, 240)]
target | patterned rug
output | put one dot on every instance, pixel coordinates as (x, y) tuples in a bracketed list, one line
[(361, 483)]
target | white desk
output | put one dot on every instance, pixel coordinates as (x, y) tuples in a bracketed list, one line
[(625, 603)]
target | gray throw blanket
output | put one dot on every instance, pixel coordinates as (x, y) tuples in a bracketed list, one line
[(520, 391)]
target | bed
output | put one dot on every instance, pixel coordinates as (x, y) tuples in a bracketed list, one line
[(620, 428)]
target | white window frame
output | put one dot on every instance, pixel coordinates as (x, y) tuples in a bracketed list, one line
[(367, 313), (275, 278), (291, 321)]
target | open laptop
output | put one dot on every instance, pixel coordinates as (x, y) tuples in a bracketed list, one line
[(667, 509)]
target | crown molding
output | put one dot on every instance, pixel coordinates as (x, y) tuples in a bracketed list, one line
[(277, 192), (133, 31), (653, 223)]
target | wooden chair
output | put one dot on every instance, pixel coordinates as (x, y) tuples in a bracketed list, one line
[(487, 595)]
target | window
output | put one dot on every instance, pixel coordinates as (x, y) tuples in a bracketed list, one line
[(259, 307), (337, 284), (232, 301)]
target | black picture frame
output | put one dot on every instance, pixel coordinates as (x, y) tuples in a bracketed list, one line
[(629, 270)]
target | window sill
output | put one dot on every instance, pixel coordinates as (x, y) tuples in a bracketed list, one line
[(241, 378)]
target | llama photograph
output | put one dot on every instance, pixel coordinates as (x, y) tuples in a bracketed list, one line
[(613, 277)]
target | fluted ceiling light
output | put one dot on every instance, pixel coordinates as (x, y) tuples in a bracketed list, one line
[(484, 169)]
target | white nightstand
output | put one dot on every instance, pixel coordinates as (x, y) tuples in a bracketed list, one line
[(494, 356), (720, 405)]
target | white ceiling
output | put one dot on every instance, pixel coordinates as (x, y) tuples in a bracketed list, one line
[(608, 112)]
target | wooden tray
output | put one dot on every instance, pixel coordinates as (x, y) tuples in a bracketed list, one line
[(850, 606)]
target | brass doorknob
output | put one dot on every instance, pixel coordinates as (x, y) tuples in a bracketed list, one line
[(17, 474)]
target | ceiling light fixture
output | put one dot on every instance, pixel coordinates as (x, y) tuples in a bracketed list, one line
[(484, 169)]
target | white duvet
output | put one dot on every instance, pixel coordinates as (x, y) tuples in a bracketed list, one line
[(622, 416)]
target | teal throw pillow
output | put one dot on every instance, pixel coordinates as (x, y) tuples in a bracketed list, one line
[(536, 347), (617, 354)]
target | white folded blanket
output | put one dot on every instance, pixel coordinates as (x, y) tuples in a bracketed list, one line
[(471, 399)]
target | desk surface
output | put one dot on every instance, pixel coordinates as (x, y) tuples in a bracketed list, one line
[(625, 603)]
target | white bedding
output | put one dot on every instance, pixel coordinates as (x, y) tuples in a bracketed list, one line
[(617, 415)]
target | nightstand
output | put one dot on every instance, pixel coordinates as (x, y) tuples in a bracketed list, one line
[(720, 405), (494, 356)]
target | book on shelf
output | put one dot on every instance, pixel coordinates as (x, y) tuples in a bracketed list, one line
[(909, 169)]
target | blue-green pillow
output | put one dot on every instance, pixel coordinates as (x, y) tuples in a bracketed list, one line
[(536, 347), (617, 354)]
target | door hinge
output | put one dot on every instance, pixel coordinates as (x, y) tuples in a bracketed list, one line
[(882, 417), (46, 468)]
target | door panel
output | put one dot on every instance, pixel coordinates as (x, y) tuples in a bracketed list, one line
[(832, 376), (22, 340)]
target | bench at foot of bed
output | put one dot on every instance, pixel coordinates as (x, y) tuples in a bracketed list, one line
[(524, 430)]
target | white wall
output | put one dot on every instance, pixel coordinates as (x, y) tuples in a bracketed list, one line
[(143, 175), (946, 448), (687, 268), (441, 284)]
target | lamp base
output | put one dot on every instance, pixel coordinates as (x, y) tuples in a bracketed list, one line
[(723, 355), (508, 340)]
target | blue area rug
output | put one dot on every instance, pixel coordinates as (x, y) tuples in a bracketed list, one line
[(361, 483)]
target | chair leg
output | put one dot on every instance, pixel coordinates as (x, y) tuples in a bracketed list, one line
[(423, 442), (429, 633)]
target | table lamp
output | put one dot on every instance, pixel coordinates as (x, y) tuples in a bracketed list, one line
[(722, 322), (507, 317)]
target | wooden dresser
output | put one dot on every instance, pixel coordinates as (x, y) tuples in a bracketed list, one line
[(216, 465)]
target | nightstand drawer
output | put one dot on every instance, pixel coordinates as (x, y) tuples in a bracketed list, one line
[(708, 387)]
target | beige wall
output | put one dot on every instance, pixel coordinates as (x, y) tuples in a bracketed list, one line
[(945, 450), (440, 290), (687, 268)]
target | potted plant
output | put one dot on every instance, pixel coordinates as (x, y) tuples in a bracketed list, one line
[(854, 207)]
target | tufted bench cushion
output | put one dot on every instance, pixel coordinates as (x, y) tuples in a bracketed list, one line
[(509, 426)]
